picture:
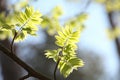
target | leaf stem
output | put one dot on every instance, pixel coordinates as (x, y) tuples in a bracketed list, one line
[(17, 34), (12, 43), (56, 68)]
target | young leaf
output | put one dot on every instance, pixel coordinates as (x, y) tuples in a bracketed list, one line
[(51, 22), (66, 40), (53, 54), (5, 26), (67, 36), (27, 22), (67, 67)]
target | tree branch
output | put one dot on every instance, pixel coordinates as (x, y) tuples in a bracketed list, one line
[(56, 69), (113, 26), (12, 43), (25, 77), (30, 71)]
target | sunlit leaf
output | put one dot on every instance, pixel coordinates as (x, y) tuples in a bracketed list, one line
[(53, 54), (28, 21), (66, 39), (72, 64)]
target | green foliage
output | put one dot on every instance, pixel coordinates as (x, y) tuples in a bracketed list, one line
[(111, 5), (20, 24), (5, 26), (114, 33), (67, 67), (19, 5), (67, 36), (57, 12), (51, 22), (27, 22), (53, 54), (66, 40), (78, 20)]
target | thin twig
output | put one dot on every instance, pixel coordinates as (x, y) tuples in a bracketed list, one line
[(30, 71), (85, 7), (113, 26), (17, 34), (117, 42), (83, 10), (56, 69), (25, 77), (12, 43)]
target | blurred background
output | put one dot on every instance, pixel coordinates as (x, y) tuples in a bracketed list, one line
[(100, 52)]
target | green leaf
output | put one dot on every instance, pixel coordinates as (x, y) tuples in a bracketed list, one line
[(21, 36), (29, 16), (72, 64), (67, 36), (53, 54), (69, 50), (82, 17), (57, 12), (51, 23), (66, 39), (4, 34), (28, 21)]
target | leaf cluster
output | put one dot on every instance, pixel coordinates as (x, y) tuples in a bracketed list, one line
[(78, 21), (66, 40), (113, 34), (51, 22), (6, 25), (27, 22), (111, 5), (20, 23)]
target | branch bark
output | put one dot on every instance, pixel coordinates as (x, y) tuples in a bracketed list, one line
[(30, 71), (113, 26), (56, 69)]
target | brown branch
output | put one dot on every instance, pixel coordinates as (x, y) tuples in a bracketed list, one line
[(56, 69), (30, 71), (12, 43), (113, 26), (117, 43), (25, 77)]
